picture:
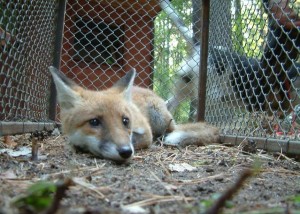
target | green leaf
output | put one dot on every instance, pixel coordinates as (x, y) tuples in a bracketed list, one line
[(38, 196)]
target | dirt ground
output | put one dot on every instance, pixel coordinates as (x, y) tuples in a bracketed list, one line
[(152, 182)]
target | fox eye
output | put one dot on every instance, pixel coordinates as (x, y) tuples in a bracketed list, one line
[(95, 122), (125, 121)]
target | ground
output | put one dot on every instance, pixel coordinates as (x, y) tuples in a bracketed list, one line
[(150, 182)]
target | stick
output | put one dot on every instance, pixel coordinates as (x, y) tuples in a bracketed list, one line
[(228, 194), (34, 149), (60, 193)]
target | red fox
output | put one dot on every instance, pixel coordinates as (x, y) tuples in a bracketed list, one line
[(112, 123)]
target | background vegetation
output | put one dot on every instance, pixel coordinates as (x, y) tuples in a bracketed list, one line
[(170, 50), (248, 28)]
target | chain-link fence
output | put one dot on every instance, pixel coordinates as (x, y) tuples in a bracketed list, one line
[(253, 83), (27, 37), (252, 73), (102, 40)]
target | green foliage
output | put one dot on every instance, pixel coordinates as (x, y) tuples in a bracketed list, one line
[(237, 28), (38, 197), (248, 30), (204, 205), (295, 199), (214, 197), (170, 50), (182, 112), (249, 27)]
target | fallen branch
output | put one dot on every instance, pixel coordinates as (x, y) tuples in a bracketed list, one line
[(60, 193), (34, 149), (199, 180), (228, 194), (158, 199), (90, 188)]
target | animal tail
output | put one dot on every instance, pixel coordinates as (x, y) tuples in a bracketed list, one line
[(200, 134)]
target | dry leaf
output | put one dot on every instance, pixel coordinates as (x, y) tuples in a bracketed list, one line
[(181, 167), (21, 151), (134, 209)]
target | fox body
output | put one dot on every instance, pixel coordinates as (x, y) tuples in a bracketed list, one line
[(112, 123)]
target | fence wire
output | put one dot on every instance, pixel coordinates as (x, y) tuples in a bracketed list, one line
[(253, 86), (27, 34)]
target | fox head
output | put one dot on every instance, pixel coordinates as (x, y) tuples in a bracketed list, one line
[(99, 122)]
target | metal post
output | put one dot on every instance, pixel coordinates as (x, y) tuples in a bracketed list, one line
[(203, 60), (57, 55)]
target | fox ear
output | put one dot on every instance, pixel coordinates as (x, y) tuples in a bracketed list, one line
[(125, 84), (66, 95)]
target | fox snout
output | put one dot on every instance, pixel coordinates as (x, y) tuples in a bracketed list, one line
[(112, 151), (125, 152), (105, 149)]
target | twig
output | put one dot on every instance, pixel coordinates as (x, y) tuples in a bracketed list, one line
[(280, 151), (165, 169), (34, 149), (60, 193), (161, 183), (161, 144), (158, 199), (240, 146), (282, 171), (92, 189), (287, 209), (264, 157), (228, 194), (200, 180), (287, 158), (91, 169)]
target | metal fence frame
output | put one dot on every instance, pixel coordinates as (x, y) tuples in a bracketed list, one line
[(22, 126)]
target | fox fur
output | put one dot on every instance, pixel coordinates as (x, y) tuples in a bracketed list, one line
[(112, 123)]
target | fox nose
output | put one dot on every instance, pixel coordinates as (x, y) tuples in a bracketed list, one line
[(125, 152)]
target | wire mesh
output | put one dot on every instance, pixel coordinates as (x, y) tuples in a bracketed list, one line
[(27, 36), (253, 86), (104, 39)]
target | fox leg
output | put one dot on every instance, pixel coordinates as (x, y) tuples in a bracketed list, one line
[(141, 138)]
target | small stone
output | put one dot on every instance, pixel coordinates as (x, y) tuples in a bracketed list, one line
[(209, 170)]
